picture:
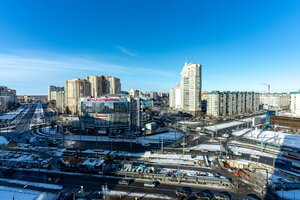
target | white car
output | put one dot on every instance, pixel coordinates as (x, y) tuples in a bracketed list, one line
[(151, 184), (254, 156)]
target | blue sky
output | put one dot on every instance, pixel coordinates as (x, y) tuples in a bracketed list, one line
[(240, 44)]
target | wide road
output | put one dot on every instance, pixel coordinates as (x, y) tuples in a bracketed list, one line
[(73, 183)]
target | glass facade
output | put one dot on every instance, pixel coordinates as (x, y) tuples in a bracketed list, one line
[(112, 117)]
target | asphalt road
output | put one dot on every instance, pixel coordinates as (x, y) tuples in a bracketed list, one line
[(73, 183)]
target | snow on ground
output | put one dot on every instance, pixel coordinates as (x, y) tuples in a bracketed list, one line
[(289, 194), (8, 193), (11, 115), (252, 152), (49, 130), (134, 194), (34, 184), (273, 137), (150, 155), (230, 124), (156, 138), (208, 147), (223, 126), (241, 132), (3, 141), (165, 136)]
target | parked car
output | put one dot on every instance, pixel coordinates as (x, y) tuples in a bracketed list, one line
[(204, 195), (151, 184), (217, 175), (183, 192), (125, 181), (222, 196), (8, 171)]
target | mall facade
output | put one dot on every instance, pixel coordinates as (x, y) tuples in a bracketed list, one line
[(114, 114)]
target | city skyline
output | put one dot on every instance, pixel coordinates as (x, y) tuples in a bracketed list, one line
[(240, 45)]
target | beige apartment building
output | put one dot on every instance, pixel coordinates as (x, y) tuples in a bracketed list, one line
[(59, 97), (190, 86), (102, 85), (75, 89)]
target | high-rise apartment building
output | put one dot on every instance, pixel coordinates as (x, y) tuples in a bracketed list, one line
[(175, 97), (190, 85), (52, 88), (75, 89), (114, 85), (102, 85), (295, 103), (59, 97), (230, 103)]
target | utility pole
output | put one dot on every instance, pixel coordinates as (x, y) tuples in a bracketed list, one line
[(183, 145), (162, 145)]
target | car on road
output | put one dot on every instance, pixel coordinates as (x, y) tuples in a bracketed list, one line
[(125, 181), (183, 192), (222, 196), (254, 156), (204, 195), (8, 171), (151, 184), (217, 175)]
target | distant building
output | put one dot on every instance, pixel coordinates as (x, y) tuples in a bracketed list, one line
[(114, 85), (59, 97), (278, 101), (230, 103), (295, 103), (191, 86), (75, 89), (102, 85), (175, 97), (53, 88), (8, 98), (32, 98), (134, 93)]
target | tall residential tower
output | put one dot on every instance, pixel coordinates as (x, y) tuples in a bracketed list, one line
[(190, 86)]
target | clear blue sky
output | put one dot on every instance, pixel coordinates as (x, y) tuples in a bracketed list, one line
[(240, 44)]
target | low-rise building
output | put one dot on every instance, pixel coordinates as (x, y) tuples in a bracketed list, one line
[(114, 114)]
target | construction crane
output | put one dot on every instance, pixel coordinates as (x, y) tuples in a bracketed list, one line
[(269, 86)]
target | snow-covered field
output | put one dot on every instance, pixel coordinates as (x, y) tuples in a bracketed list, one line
[(3, 141), (241, 132), (231, 124), (277, 138), (252, 152), (10, 193), (11, 115), (208, 147), (34, 184)]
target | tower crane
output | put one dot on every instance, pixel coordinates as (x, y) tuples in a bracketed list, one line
[(269, 86)]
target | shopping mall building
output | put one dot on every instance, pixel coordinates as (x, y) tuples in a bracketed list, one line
[(114, 115)]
